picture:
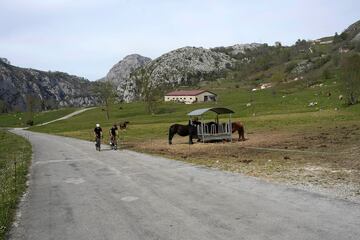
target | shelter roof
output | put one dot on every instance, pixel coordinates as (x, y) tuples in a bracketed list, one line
[(201, 111)]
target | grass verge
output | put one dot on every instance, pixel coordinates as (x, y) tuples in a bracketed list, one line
[(15, 156)]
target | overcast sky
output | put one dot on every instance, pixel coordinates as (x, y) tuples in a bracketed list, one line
[(87, 37)]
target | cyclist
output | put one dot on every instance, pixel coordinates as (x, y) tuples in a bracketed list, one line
[(113, 135), (98, 135)]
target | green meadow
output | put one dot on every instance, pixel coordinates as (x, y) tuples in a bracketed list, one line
[(274, 108), (18, 119)]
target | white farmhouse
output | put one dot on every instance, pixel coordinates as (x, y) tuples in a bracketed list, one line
[(190, 96)]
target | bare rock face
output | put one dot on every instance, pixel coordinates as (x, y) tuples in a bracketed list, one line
[(5, 60), (237, 49), (242, 48), (353, 31), (187, 65), (356, 38), (48, 89), (183, 66), (302, 67), (120, 73)]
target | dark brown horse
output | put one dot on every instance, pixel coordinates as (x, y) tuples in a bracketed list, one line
[(183, 130), (123, 125), (239, 127)]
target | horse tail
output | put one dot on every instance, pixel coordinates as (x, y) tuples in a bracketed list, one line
[(242, 132), (171, 133), (239, 127)]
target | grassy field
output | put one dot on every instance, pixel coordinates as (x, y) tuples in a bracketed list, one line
[(19, 119), (270, 109), (15, 156), (288, 141)]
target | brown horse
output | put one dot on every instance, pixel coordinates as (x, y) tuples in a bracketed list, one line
[(239, 127), (123, 125), (235, 126)]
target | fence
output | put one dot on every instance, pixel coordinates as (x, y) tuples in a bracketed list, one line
[(221, 131)]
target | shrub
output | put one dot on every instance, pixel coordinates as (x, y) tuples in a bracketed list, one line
[(290, 67), (30, 122)]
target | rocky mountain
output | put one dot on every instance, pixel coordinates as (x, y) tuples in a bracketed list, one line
[(353, 31), (46, 89), (183, 66), (5, 60), (187, 65), (119, 75)]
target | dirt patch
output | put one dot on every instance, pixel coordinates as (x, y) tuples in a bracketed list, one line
[(318, 157)]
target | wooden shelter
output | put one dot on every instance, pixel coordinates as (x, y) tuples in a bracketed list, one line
[(216, 130)]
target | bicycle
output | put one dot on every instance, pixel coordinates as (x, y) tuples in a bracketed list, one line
[(98, 143), (113, 143)]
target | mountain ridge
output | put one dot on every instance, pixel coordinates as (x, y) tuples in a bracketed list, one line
[(48, 89)]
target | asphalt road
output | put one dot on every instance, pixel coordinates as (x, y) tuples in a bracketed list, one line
[(78, 193)]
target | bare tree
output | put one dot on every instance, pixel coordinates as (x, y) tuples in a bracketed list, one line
[(107, 95), (149, 93), (3, 107), (32, 105), (350, 75)]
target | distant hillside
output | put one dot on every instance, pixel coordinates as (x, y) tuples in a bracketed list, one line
[(45, 90)]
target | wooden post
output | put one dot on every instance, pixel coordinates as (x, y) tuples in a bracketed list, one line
[(190, 130), (230, 128), (203, 129), (15, 185)]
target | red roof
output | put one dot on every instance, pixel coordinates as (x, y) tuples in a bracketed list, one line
[(187, 93)]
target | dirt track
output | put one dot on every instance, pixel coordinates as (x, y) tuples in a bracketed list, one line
[(323, 160)]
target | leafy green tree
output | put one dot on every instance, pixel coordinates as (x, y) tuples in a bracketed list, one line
[(337, 38), (350, 75), (343, 36)]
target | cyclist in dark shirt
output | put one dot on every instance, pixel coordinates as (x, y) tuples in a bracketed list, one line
[(98, 136), (98, 131), (113, 135)]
